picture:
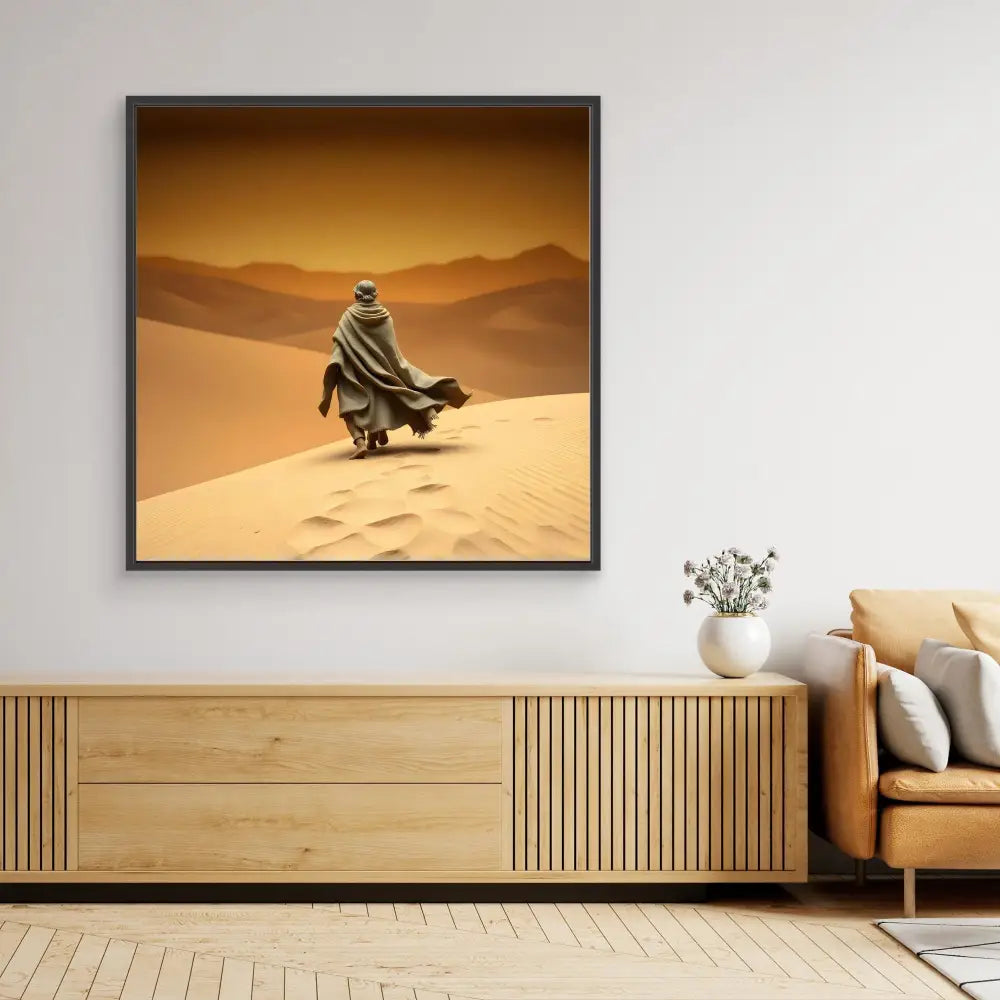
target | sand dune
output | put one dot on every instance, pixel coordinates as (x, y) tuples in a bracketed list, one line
[(448, 282), (526, 341), (504, 481), (208, 405)]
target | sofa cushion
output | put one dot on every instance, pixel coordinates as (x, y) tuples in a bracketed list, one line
[(960, 783), (967, 683), (980, 621), (895, 622), (925, 835), (912, 725)]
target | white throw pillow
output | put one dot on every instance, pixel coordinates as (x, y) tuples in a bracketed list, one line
[(911, 723), (926, 653), (967, 683)]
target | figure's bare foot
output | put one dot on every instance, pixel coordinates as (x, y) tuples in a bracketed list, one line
[(383, 438), (360, 447), (372, 441)]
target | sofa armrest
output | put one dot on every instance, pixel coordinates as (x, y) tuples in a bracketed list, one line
[(843, 745)]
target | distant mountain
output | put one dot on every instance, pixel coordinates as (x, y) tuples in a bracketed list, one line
[(532, 339), (449, 282), (219, 305)]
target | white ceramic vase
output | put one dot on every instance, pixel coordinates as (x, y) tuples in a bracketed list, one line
[(734, 645)]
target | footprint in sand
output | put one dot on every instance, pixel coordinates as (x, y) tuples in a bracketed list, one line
[(542, 420), (413, 467), (369, 488), (353, 546), (317, 531), (393, 532), (455, 521), (362, 510)]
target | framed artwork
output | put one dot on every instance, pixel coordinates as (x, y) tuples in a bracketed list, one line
[(363, 333)]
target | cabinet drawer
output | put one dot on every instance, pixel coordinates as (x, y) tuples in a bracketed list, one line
[(300, 827), (290, 739)]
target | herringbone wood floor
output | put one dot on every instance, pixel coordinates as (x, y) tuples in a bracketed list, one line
[(817, 943)]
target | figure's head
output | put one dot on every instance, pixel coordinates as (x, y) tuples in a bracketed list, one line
[(365, 291)]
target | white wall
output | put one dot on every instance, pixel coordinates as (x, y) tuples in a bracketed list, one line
[(800, 223)]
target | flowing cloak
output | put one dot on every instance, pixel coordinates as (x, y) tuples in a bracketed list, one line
[(376, 386)]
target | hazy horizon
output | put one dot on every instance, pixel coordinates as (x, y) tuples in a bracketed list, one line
[(583, 258), (320, 188)]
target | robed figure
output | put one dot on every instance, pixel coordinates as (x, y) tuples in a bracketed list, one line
[(377, 388)]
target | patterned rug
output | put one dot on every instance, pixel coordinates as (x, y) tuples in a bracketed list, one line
[(966, 950)]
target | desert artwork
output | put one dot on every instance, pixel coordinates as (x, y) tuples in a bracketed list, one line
[(362, 335)]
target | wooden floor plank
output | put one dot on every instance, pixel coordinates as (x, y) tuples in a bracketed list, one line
[(617, 934), (526, 927), (206, 979), (332, 987), (883, 963), (268, 982), (83, 968), (846, 958), (674, 934), (584, 929), (437, 915), (390, 992), (779, 950), (409, 913), (49, 975), (810, 952), (354, 909), (237, 980), (300, 984), (382, 911), (175, 975), (742, 944), (466, 918), (363, 989), (646, 935), (24, 961), (495, 919), (714, 946), (11, 934), (553, 924), (111, 973)]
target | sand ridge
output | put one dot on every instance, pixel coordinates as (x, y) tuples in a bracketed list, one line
[(507, 480), (209, 405)]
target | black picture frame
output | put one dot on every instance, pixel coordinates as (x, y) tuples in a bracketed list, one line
[(593, 103)]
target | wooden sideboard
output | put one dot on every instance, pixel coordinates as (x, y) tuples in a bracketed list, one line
[(565, 779)]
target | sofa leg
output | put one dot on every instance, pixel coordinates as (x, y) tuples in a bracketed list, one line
[(860, 871), (909, 892)]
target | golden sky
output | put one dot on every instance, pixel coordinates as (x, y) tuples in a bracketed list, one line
[(369, 188)]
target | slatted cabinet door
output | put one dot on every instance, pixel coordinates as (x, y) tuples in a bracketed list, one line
[(38, 804), (705, 788)]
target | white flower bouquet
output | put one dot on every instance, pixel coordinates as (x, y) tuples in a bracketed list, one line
[(732, 583)]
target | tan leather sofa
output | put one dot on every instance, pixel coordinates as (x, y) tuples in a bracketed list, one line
[(861, 800)]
